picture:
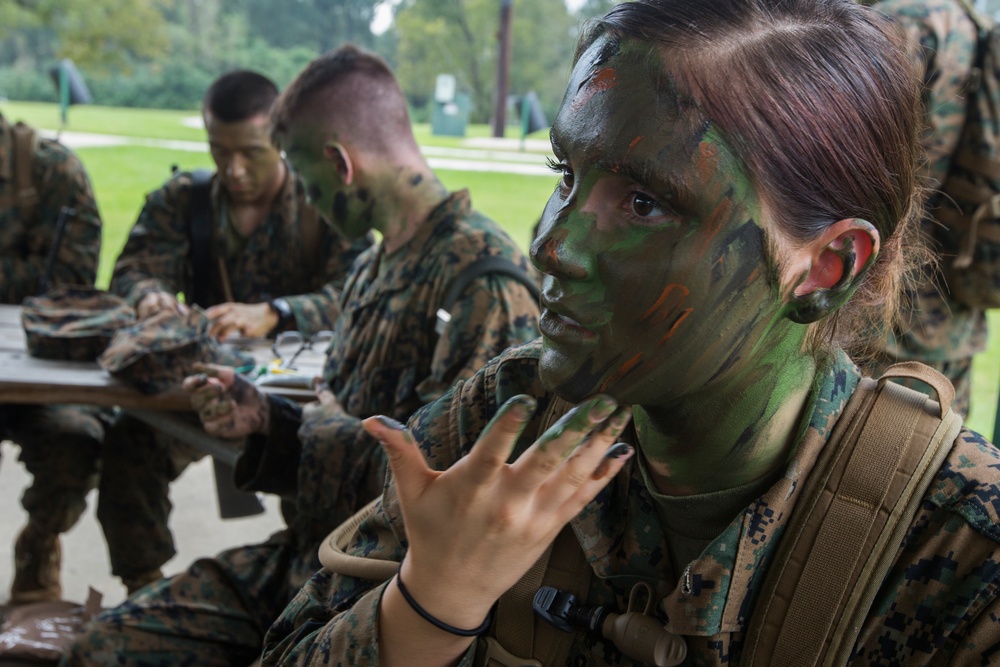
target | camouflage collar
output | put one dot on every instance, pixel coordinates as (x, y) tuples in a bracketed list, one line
[(406, 265), (622, 538)]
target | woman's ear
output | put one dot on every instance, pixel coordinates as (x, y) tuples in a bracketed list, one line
[(341, 160), (830, 268)]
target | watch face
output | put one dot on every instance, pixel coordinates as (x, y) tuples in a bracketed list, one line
[(283, 309)]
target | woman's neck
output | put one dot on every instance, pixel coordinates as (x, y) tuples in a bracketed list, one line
[(732, 432)]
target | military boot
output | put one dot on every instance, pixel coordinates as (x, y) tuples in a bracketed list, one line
[(132, 584), (37, 558)]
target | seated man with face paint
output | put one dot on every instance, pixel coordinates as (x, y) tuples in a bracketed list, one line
[(257, 256), (732, 177), (343, 124)]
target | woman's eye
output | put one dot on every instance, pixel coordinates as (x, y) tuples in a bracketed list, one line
[(563, 170), (645, 206)]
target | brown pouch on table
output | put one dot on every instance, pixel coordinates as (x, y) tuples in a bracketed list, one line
[(39, 633), (157, 353), (73, 323)]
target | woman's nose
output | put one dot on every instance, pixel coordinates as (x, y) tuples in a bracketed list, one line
[(555, 250)]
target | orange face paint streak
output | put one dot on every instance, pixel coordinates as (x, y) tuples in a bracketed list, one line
[(550, 252), (617, 168), (707, 163), (712, 225), (603, 80), (662, 299), (622, 371), (673, 327)]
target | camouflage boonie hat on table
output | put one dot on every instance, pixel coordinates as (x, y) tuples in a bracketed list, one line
[(73, 323), (157, 353)]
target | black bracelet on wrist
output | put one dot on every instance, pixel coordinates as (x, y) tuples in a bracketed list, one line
[(424, 614)]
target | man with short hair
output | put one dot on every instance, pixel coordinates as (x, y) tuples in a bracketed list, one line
[(255, 255), (344, 125), (60, 444)]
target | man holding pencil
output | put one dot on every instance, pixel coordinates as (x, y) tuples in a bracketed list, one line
[(245, 245)]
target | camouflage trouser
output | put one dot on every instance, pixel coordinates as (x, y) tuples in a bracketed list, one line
[(61, 448), (215, 613), (134, 501), (959, 371)]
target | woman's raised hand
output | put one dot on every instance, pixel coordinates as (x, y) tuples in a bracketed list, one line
[(476, 528)]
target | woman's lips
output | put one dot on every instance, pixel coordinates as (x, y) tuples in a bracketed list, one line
[(562, 327)]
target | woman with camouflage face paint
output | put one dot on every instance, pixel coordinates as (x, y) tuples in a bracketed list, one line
[(734, 179)]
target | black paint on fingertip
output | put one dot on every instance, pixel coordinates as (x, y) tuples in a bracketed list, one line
[(618, 450), (389, 422)]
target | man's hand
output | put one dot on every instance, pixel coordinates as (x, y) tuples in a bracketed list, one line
[(255, 320), (228, 405), (155, 302)]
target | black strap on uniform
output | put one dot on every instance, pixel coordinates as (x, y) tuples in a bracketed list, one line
[(492, 264), (201, 237)]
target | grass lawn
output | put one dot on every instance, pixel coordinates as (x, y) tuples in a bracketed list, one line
[(123, 174)]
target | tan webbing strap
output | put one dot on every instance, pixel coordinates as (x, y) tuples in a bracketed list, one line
[(856, 507), (24, 162)]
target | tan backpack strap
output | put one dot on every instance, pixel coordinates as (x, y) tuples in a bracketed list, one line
[(24, 163), (846, 530)]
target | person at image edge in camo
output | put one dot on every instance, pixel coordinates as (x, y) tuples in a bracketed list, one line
[(937, 329), (60, 444), (731, 177), (274, 264), (344, 125)]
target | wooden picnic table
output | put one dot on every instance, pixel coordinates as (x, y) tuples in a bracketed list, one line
[(27, 379)]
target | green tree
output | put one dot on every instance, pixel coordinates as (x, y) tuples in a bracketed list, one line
[(459, 37), (319, 25), (97, 34)]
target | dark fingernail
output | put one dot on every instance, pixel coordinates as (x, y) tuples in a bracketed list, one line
[(616, 451), (602, 408), (389, 422)]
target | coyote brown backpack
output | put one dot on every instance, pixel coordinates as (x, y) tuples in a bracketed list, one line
[(969, 206)]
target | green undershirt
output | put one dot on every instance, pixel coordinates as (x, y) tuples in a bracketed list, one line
[(690, 523)]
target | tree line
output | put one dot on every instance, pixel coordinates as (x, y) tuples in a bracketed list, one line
[(163, 53)]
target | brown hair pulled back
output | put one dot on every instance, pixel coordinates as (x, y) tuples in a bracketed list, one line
[(820, 101)]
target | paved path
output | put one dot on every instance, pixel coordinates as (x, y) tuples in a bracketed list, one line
[(198, 530), (484, 154)]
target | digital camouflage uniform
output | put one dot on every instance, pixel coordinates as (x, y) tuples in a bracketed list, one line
[(937, 330), (939, 599), (140, 462), (60, 445), (385, 359)]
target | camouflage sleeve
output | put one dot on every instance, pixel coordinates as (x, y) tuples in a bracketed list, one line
[(342, 467), (495, 312), (62, 181), (941, 39), (333, 620), (155, 256), (318, 311)]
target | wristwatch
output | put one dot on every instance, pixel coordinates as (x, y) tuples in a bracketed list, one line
[(283, 310)]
